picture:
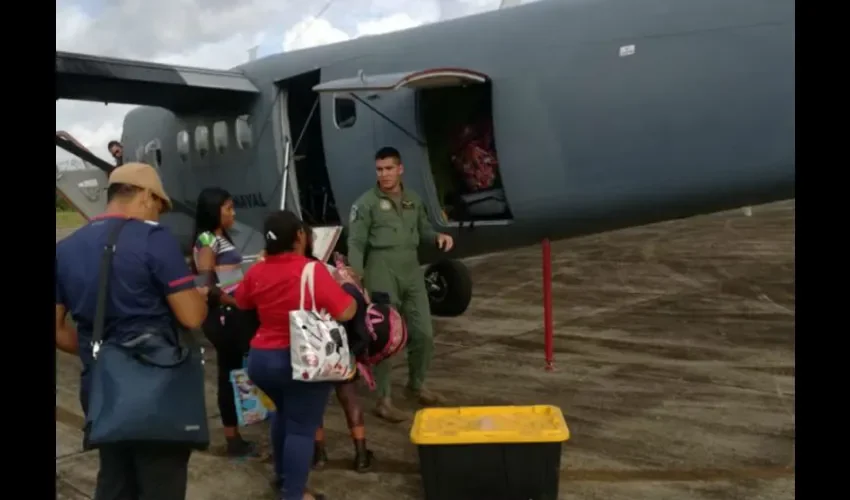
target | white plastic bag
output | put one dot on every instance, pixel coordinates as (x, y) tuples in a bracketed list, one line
[(319, 345)]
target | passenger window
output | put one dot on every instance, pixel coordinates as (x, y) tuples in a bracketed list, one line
[(243, 132), (202, 140), (220, 136), (345, 112), (153, 153), (183, 145)]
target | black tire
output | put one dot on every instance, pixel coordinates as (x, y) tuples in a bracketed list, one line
[(449, 288)]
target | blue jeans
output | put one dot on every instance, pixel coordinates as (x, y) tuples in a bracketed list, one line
[(300, 408)]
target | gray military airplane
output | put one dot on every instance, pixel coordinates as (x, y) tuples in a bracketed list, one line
[(605, 114)]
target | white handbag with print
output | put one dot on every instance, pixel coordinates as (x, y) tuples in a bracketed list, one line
[(319, 345)]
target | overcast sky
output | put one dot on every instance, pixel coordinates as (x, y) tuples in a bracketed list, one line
[(217, 34)]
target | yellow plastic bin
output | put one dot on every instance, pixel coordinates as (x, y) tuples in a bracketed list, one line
[(490, 452)]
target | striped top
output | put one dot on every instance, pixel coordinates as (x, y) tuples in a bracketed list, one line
[(225, 255)]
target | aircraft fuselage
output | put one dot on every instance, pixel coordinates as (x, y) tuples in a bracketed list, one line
[(606, 114)]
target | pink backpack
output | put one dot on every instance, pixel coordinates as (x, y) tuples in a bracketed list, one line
[(381, 324)]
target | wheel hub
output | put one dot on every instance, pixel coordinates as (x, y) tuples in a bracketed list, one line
[(437, 286)]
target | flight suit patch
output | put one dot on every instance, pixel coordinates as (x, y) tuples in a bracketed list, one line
[(406, 204), (386, 205), (354, 214)]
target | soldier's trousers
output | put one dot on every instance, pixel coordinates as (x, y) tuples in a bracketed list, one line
[(400, 276)]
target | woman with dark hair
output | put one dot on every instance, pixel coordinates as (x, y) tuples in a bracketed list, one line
[(272, 287), (229, 329), (346, 392)]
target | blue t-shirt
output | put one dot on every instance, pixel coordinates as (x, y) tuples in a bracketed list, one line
[(147, 266)]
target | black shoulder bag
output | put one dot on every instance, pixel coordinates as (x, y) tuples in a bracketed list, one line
[(145, 388)]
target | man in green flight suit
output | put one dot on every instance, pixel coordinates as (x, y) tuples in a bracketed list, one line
[(386, 225)]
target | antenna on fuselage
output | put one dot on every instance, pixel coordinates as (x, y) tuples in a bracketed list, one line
[(252, 52)]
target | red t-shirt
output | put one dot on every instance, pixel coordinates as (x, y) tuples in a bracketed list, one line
[(271, 287)]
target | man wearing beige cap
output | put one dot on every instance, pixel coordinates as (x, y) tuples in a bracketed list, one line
[(139, 192), (150, 286)]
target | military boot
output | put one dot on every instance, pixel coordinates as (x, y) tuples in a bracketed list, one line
[(386, 411), (426, 397)]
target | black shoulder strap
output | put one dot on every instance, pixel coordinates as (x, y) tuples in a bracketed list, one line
[(103, 281)]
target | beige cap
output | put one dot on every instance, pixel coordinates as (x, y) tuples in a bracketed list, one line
[(142, 176)]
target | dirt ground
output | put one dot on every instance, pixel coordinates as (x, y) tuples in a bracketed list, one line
[(674, 368)]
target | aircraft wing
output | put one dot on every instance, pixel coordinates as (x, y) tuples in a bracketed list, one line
[(65, 141), (180, 89), (85, 190), (95, 180)]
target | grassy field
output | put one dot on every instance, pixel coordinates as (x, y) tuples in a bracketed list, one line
[(68, 220)]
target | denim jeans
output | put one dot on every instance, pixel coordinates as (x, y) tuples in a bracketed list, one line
[(300, 408)]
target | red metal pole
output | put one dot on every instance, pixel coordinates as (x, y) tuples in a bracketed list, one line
[(547, 305)]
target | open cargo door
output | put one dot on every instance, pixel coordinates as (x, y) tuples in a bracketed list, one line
[(461, 150)]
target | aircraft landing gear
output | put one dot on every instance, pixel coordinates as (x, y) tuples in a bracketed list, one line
[(449, 288)]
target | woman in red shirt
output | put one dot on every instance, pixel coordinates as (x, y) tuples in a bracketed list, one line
[(272, 287)]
